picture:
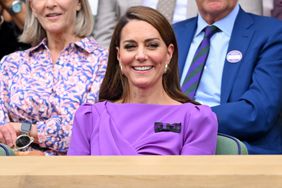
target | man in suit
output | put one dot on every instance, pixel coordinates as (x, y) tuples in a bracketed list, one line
[(253, 6), (241, 79)]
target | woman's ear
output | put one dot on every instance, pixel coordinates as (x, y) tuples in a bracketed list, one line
[(78, 6), (170, 50), (118, 53), (118, 58), (32, 8)]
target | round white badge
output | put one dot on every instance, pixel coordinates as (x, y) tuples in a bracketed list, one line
[(234, 56)]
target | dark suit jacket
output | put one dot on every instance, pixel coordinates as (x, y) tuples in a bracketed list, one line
[(251, 90)]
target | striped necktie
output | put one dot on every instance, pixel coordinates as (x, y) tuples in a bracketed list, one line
[(166, 7), (195, 71)]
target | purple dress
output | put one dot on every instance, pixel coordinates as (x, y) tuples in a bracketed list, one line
[(107, 128)]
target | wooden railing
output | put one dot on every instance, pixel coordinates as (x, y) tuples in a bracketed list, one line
[(142, 172)]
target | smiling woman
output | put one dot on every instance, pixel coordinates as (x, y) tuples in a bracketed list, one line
[(52, 17), (56, 20), (42, 87), (143, 56), (142, 110)]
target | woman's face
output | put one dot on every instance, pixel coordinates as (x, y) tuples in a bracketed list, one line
[(56, 16), (143, 55)]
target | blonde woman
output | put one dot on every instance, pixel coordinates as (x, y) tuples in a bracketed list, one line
[(41, 88)]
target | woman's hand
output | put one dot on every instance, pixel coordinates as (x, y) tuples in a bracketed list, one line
[(9, 132)]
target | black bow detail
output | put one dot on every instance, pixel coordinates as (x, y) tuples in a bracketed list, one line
[(167, 127)]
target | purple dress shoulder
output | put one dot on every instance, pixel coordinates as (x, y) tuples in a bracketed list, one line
[(107, 128)]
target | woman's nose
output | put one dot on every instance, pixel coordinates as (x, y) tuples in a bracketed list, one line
[(51, 3), (141, 54)]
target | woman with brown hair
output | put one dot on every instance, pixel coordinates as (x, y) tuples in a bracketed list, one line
[(142, 111)]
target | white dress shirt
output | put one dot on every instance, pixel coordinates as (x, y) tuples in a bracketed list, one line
[(209, 88)]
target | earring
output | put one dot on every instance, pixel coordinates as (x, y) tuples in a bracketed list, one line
[(165, 69), (120, 68)]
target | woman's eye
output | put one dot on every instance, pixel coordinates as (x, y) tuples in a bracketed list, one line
[(153, 45), (129, 46)]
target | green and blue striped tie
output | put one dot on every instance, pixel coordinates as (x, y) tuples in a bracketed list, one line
[(195, 71)]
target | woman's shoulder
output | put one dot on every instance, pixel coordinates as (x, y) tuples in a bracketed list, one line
[(204, 113), (196, 107), (14, 60), (92, 46), (90, 108), (16, 55), (198, 110)]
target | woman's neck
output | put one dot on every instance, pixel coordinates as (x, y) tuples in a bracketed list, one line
[(149, 96), (57, 43)]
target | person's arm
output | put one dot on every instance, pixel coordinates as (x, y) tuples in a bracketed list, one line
[(200, 132), (80, 143), (52, 133), (257, 110), (9, 130), (54, 130), (105, 21), (8, 134), (18, 18), (92, 96)]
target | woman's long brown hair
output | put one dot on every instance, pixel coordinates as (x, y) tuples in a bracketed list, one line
[(115, 86)]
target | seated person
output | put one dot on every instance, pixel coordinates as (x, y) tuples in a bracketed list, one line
[(240, 76), (142, 110), (42, 87), (12, 14)]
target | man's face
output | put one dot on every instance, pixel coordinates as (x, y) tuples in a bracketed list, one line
[(215, 10)]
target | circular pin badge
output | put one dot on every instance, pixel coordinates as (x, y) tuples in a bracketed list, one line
[(234, 56)]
